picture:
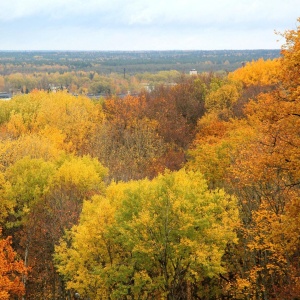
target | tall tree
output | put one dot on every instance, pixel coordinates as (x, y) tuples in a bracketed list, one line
[(158, 238), (269, 188)]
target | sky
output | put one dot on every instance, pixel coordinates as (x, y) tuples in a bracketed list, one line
[(145, 25)]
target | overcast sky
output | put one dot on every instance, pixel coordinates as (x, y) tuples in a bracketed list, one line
[(145, 25)]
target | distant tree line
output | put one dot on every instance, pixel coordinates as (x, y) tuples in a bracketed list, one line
[(106, 62)]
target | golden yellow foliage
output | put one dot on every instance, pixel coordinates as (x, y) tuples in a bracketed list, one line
[(260, 72), (58, 115), (151, 231)]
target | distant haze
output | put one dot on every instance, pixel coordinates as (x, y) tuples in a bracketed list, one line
[(145, 25)]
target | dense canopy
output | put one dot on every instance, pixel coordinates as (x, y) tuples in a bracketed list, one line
[(187, 191)]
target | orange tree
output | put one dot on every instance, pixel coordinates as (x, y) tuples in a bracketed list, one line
[(11, 271), (266, 178), (257, 159)]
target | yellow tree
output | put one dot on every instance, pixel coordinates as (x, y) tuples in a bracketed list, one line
[(223, 94), (161, 238), (260, 72), (48, 147), (216, 145), (55, 114)]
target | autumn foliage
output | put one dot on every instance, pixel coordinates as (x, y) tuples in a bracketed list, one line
[(12, 271), (190, 191), (159, 238), (256, 158)]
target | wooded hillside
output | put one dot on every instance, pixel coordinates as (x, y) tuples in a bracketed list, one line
[(188, 191)]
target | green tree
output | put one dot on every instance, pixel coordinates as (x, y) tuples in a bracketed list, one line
[(149, 239)]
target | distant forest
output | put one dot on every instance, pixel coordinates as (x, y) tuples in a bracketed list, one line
[(106, 62), (102, 73)]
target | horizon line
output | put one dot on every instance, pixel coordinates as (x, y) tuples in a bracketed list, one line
[(145, 50)]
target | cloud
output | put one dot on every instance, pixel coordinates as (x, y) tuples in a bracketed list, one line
[(17, 9), (78, 38), (131, 12), (138, 24)]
